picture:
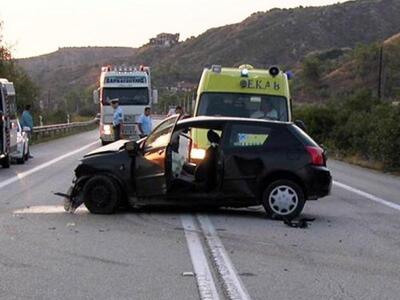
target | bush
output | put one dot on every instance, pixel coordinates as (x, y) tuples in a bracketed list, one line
[(360, 125)]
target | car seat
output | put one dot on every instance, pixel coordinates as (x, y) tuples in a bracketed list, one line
[(206, 170)]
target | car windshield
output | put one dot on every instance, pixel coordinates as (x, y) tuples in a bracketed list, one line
[(126, 96), (244, 106), (161, 135)]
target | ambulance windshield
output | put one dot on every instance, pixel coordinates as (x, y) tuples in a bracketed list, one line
[(243, 106)]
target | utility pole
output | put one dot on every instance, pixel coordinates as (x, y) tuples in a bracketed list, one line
[(380, 75)]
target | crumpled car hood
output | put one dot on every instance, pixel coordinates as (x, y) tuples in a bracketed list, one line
[(114, 147)]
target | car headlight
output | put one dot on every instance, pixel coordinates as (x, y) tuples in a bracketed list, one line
[(20, 139), (107, 129)]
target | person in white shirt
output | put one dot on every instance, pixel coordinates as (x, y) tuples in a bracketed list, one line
[(266, 112), (118, 117)]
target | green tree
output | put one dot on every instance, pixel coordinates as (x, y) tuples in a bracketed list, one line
[(312, 71), (26, 90)]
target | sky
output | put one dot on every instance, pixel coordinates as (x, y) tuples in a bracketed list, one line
[(34, 27)]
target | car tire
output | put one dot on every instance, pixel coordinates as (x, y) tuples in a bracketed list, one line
[(283, 199), (21, 160), (101, 195), (27, 155), (6, 162)]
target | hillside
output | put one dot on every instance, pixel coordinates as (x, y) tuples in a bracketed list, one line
[(74, 56), (70, 68), (373, 68), (278, 36), (282, 36)]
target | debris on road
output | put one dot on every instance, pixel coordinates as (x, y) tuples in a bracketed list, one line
[(187, 274), (302, 223)]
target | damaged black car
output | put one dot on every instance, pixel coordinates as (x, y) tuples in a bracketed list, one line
[(205, 161)]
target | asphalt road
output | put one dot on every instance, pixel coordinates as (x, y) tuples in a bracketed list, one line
[(350, 251)]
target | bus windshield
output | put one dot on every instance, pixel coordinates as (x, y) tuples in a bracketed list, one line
[(243, 106), (126, 96)]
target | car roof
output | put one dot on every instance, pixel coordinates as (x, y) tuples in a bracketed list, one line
[(208, 119)]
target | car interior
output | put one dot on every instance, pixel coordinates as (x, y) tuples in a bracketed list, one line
[(194, 175)]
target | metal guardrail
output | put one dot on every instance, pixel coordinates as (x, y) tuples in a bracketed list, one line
[(57, 129)]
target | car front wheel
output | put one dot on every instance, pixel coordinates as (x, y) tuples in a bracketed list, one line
[(283, 199), (101, 195)]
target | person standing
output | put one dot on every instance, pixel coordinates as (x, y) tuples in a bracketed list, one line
[(179, 110), (27, 122), (117, 118), (145, 122), (26, 118)]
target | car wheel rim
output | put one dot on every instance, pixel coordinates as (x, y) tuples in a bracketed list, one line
[(100, 196), (283, 200)]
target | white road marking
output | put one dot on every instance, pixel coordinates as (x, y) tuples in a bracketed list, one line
[(367, 195), (233, 285), (43, 166), (205, 281), (46, 209)]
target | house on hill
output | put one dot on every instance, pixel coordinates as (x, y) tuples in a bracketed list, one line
[(165, 40)]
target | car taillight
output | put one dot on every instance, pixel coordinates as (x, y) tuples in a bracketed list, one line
[(317, 155)]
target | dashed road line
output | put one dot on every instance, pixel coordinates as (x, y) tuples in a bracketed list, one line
[(205, 281), (43, 166), (367, 195), (232, 284)]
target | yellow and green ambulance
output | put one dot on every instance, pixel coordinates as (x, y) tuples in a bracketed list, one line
[(243, 92)]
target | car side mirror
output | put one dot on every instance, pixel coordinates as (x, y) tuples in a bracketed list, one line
[(132, 147), (301, 125)]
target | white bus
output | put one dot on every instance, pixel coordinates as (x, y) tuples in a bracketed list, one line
[(132, 87), (8, 122)]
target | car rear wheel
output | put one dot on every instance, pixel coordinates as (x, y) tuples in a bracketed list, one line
[(102, 195), (21, 160), (283, 199), (27, 153)]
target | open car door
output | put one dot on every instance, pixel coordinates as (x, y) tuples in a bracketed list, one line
[(151, 163)]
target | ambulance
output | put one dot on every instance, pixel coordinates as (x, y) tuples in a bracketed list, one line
[(243, 92)]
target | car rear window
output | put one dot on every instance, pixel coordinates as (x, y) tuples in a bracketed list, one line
[(302, 136), (244, 136)]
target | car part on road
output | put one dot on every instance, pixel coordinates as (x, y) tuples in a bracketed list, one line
[(302, 223)]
